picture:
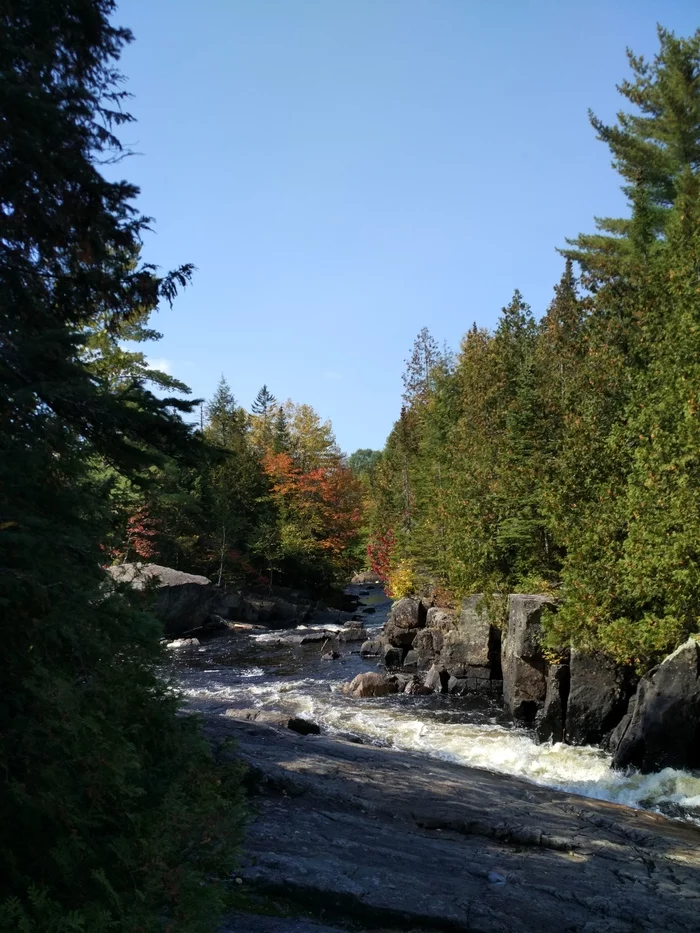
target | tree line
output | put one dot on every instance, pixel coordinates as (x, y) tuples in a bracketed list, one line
[(563, 453)]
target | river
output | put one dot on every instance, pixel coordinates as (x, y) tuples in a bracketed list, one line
[(247, 670)]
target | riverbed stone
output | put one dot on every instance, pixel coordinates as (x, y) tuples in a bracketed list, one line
[(370, 684), (598, 697), (662, 729), (523, 663), (393, 657), (437, 679), (371, 648), (353, 631)]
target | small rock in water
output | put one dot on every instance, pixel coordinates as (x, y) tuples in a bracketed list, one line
[(368, 610), (184, 643), (496, 878), (330, 656), (370, 685), (303, 726)]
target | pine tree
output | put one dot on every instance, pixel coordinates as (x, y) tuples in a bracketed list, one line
[(651, 149)]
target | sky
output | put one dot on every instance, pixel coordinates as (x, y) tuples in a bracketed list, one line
[(345, 172)]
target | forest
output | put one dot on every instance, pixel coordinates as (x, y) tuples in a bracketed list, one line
[(561, 453), (555, 454)]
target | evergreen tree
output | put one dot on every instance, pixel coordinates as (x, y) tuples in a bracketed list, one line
[(282, 440), (113, 817), (264, 403)]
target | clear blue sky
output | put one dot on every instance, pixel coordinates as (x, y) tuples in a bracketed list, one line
[(345, 172)]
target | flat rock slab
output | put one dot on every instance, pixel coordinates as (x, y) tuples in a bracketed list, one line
[(392, 839), (259, 923)]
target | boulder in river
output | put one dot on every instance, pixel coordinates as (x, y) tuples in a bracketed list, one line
[(598, 697), (662, 729), (437, 680), (353, 631), (184, 643), (371, 648), (273, 718), (524, 666), (183, 601), (393, 657), (370, 685)]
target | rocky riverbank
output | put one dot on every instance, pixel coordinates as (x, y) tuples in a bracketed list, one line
[(384, 837)]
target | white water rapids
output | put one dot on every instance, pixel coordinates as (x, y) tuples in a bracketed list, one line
[(254, 672)]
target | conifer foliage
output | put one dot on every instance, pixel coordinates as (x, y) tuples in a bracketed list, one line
[(113, 815), (562, 453)]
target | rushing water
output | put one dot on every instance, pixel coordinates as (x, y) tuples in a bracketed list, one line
[(245, 671)]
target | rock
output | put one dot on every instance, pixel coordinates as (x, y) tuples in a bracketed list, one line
[(353, 631), (183, 601), (436, 679), (184, 643), (330, 656), (523, 664), (363, 593), (393, 657), (367, 576), (457, 686), (303, 726), (481, 639), (275, 718), (371, 648), (415, 688), (399, 637), (312, 638), (370, 685), (443, 620), (552, 717), (408, 613), (427, 643), (410, 662), (456, 834), (369, 610), (598, 698), (663, 729)]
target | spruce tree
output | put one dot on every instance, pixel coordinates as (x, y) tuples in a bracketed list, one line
[(107, 795)]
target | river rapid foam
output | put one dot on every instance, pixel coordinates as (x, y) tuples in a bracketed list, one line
[(248, 671)]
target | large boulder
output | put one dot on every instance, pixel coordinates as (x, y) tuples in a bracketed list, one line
[(408, 613), (552, 717), (472, 647), (482, 640), (598, 697), (524, 666), (428, 644), (662, 729), (440, 619), (183, 601), (399, 637), (370, 685)]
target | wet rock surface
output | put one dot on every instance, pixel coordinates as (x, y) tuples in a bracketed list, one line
[(387, 839), (662, 728)]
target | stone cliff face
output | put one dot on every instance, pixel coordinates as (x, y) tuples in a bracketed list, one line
[(584, 699)]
